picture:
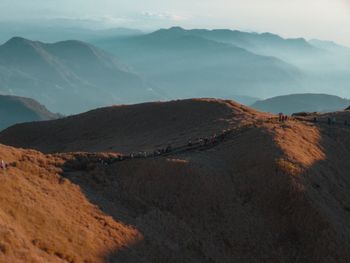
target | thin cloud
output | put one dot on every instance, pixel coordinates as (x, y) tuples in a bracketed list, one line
[(163, 16)]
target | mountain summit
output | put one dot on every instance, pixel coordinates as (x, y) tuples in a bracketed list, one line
[(194, 63)]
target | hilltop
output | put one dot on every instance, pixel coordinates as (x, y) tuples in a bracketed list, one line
[(294, 103), (15, 109), (130, 127)]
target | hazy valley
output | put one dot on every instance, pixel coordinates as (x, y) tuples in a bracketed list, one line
[(120, 145)]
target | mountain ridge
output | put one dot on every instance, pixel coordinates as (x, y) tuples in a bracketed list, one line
[(186, 65), (70, 76), (14, 109)]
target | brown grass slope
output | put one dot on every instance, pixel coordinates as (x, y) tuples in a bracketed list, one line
[(275, 192), (46, 218), (129, 128)]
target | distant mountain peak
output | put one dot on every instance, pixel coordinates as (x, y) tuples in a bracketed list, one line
[(18, 40), (177, 28)]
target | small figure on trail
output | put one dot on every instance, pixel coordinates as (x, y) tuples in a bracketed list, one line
[(132, 155), (214, 139), (189, 143), (280, 117), (222, 136), (329, 121), (315, 119), (168, 148), (206, 140), (2, 165)]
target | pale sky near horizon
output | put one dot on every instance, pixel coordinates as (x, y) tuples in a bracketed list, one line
[(323, 19)]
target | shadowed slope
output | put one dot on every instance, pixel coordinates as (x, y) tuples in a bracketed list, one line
[(275, 193), (130, 128)]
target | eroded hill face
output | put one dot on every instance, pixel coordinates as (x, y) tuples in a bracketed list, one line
[(265, 192)]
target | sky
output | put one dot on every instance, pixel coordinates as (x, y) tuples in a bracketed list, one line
[(322, 19)]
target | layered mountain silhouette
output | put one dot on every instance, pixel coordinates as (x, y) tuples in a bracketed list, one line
[(267, 44), (18, 109), (60, 30), (236, 186), (188, 60), (69, 76), (190, 64), (294, 103)]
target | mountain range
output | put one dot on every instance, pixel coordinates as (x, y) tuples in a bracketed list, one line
[(188, 64), (207, 60), (129, 66), (69, 76)]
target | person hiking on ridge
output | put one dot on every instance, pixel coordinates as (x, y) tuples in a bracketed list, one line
[(3, 165), (280, 117)]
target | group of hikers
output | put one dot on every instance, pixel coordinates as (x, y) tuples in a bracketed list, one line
[(211, 140), (191, 144), (282, 117), (330, 121), (199, 142)]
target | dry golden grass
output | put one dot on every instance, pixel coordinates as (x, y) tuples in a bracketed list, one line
[(46, 218), (276, 192)]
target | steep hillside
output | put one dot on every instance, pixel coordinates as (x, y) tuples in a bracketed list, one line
[(190, 65), (18, 109), (46, 218), (129, 128), (69, 76), (302, 103), (264, 192)]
